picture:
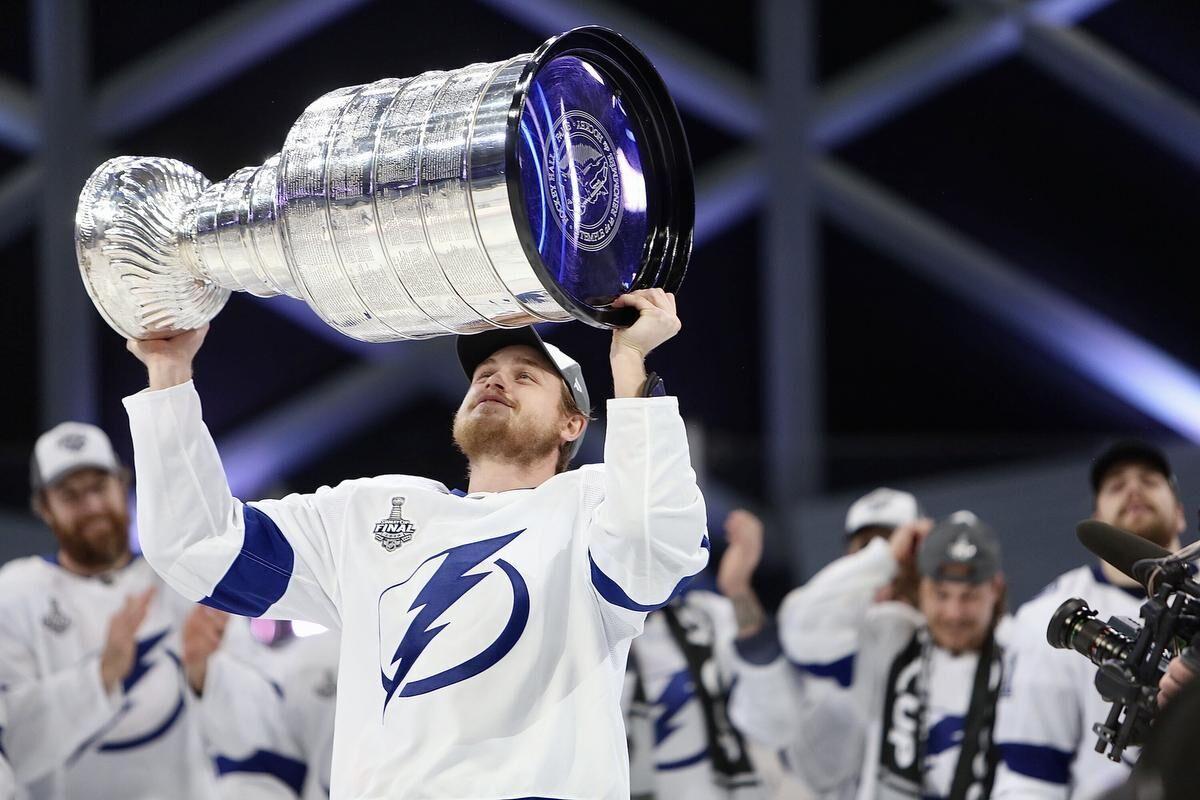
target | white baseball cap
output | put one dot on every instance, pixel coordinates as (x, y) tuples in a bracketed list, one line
[(69, 447), (887, 508)]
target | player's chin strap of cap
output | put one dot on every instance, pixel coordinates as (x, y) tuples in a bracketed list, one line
[(653, 387)]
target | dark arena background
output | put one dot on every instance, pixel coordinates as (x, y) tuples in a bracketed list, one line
[(948, 247)]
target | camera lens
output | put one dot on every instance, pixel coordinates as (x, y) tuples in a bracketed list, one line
[(1074, 627)]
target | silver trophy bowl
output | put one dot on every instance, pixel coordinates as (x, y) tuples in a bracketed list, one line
[(536, 189)]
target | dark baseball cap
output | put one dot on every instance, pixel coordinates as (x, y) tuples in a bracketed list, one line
[(476, 348), (1124, 451), (960, 548)]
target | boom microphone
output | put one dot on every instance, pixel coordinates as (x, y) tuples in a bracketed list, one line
[(1120, 548)]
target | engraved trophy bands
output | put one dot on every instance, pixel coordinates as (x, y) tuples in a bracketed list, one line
[(536, 189)]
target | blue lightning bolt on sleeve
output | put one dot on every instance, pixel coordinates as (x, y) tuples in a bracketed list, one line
[(246, 559), (648, 535)]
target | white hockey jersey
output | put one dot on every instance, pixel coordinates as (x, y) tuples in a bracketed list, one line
[(268, 714), (682, 765), (484, 637), (67, 737), (1049, 701), (832, 629)]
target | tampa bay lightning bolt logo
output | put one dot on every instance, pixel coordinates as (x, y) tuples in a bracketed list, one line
[(582, 180), (460, 570)]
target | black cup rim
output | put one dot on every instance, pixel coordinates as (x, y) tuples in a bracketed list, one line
[(671, 219)]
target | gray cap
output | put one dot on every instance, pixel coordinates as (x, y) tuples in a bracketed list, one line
[(960, 548), (474, 349), (67, 448)]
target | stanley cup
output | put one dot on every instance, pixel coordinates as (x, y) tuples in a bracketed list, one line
[(536, 189)]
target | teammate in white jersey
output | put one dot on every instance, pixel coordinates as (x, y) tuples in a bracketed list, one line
[(89, 646), (684, 668), (775, 695), (916, 720), (1050, 702), (266, 709), (484, 635)]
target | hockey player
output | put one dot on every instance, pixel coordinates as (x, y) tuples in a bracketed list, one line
[(775, 694), (266, 710), (916, 720), (484, 636), (683, 667), (1050, 702), (89, 646)]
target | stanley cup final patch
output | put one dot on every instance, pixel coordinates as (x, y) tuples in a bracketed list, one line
[(395, 530)]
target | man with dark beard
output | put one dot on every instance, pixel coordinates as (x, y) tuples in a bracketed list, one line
[(484, 633), (1049, 703), (88, 643)]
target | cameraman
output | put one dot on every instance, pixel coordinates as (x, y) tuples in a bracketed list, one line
[(1049, 702)]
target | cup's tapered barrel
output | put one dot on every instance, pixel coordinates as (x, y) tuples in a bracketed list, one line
[(536, 189)]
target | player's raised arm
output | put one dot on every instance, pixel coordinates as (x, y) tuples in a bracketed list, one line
[(648, 534), (207, 544)]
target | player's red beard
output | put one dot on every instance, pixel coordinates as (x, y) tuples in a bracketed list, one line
[(1153, 524), (97, 542), (513, 437)]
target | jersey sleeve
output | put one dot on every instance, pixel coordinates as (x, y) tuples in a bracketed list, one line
[(647, 535), (242, 718), (50, 717), (1038, 719), (818, 726), (271, 558), (822, 624)]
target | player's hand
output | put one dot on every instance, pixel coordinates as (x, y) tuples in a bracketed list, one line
[(168, 361), (202, 633), (906, 539), (744, 532), (656, 323), (1178, 675), (120, 645)]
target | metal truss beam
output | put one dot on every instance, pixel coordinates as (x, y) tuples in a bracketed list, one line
[(1114, 83), (727, 192), (719, 94), (18, 200), (902, 77), (1116, 360), (201, 60), (292, 435), (67, 358), (790, 293), (18, 117)]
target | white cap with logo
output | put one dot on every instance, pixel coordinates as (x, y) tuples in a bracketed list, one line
[(886, 508), (68, 447)]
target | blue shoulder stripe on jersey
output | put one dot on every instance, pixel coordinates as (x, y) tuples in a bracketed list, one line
[(288, 770), (945, 735), (683, 762), (611, 591), (841, 670), (132, 744), (762, 648), (1038, 761), (1136, 592), (259, 575)]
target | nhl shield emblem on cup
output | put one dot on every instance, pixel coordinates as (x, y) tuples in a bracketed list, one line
[(498, 195)]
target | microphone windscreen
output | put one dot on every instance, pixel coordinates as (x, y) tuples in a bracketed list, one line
[(1120, 548)]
